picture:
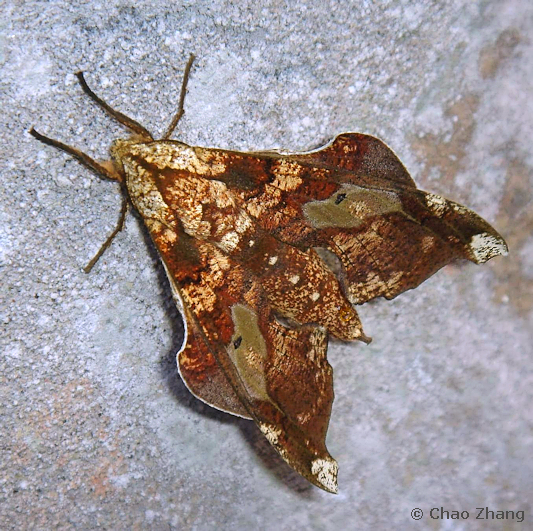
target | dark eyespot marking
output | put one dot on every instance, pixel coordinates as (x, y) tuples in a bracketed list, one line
[(340, 198), (237, 342)]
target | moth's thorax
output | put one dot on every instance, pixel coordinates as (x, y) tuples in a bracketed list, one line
[(174, 186), (170, 155)]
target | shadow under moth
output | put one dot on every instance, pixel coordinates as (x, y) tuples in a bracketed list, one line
[(267, 253)]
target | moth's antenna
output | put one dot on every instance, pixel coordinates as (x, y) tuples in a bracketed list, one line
[(126, 121), (107, 243), (180, 112)]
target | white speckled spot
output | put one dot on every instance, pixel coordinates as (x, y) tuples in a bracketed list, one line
[(436, 204), (325, 471), (294, 279), (314, 296), (270, 432), (229, 241), (272, 260), (485, 246)]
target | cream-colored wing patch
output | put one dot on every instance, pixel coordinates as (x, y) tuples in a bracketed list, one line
[(485, 246), (248, 351), (350, 206), (325, 471)]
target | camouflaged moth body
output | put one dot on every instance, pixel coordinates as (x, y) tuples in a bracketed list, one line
[(244, 239)]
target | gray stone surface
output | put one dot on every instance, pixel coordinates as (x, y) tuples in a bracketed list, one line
[(96, 429)]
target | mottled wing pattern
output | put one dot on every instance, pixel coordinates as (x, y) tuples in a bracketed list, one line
[(245, 237), (276, 375), (355, 198)]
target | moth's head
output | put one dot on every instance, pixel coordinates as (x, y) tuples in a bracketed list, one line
[(123, 147)]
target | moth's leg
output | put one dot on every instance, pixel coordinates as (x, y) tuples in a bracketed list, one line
[(183, 91), (107, 172), (126, 121), (107, 243), (102, 170)]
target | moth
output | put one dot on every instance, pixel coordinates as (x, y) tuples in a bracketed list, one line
[(267, 253)]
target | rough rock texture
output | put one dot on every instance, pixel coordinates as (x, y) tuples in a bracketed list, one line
[(97, 431)]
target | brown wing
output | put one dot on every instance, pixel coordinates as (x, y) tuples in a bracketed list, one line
[(202, 374), (389, 242), (360, 159), (280, 376), (355, 198), (197, 366)]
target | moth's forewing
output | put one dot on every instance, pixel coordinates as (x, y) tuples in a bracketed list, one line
[(278, 376), (355, 198)]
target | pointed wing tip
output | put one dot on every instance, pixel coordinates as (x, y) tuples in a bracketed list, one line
[(364, 338), (485, 246), (324, 471)]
